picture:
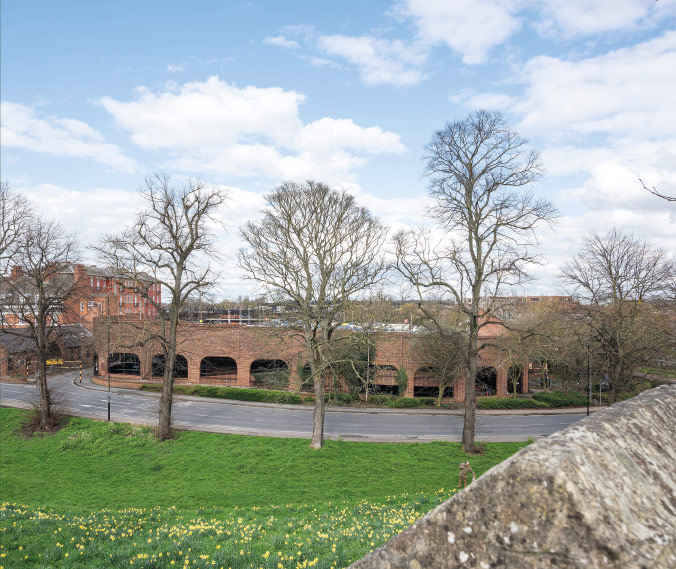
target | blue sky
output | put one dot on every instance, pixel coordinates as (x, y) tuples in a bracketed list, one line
[(95, 95)]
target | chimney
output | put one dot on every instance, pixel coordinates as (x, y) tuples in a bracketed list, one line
[(17, 272), (80, 273)]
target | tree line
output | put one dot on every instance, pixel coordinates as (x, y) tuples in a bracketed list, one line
[(316, 249)]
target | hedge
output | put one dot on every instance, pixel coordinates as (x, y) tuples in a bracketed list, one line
[(558, 399), (508, 403), (236, 393)]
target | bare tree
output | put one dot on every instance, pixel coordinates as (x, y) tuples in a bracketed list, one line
[(619, 278), (654, 191), (169, 244), (478, 169), (316, 249), (443, 352), (15, 214), (37, 294)]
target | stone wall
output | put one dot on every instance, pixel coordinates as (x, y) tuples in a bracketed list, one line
[(599, 494)]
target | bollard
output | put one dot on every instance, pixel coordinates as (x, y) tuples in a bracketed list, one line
[(80, 372)]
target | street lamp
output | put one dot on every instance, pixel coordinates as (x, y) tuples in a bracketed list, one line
[(589, 383)]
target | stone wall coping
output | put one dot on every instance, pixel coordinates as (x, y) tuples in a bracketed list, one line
[(598, 494)]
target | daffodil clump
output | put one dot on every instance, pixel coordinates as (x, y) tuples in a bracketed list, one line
[(327, 536)]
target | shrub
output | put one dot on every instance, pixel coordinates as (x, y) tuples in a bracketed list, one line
[(508, 403), (340, 398), (402, 381), (381, 399), (406, 403), (558, 399)]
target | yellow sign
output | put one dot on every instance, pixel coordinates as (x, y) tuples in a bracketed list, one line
[(54, 362)]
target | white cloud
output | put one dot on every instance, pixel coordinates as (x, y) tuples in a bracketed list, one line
[(380, 61), (471, 28), (206, 113), (172, 68), (215, 126), (22, 127), (472, 99), (572, 18), (624, 91), (281, 41)]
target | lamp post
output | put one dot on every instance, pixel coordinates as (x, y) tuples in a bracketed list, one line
[(589, 377), (108, 359)]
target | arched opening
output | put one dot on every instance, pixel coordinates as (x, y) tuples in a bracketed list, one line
[(515, 376), (220, 369), (306, 381), (426, 384), (124, 363), (386, 380), (486, 381), (53, 351), (180, 366), (269, 374)]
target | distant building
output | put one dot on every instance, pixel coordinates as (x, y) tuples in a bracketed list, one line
[(68, 343), (96, 291)]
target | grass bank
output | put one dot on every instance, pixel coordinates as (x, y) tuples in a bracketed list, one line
[(92, 465), (101, 495)]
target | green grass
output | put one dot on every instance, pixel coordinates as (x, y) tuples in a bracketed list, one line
[(110, 495), (93, 465)]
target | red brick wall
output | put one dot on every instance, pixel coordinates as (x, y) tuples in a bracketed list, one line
[(245, 344)]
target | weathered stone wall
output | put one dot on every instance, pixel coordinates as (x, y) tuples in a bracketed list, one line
[(601, 493)]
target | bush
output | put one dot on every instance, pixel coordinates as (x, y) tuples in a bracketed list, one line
[(508, 403), (236, 393), (340, 398), (402, 381), (381, 399), (558, 399), (406, 403)]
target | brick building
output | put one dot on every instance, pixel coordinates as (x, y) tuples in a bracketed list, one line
[(240, 355), (103, 292), (92, 291), (67, 343)]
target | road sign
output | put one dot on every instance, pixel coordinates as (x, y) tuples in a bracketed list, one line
[(54, 362)]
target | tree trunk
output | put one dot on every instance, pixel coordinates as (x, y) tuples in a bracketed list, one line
[(469, 424), (164, 430), (45, 398), (42, 348), (164, 423), (318, 414)]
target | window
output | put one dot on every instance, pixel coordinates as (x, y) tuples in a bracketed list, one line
[(90, 304), (82, 307)]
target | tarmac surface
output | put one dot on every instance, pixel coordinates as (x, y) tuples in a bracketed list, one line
[(88, 399)]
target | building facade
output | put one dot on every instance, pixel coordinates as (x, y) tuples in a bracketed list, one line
[(243, 356)]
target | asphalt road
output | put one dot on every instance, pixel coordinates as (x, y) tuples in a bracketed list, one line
[(285, 420)]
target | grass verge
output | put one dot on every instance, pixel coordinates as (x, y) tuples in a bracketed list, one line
[(110, 495)]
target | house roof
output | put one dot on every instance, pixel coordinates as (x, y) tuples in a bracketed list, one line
[(20, 339)]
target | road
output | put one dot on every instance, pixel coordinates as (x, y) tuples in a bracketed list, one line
[(285, 420)]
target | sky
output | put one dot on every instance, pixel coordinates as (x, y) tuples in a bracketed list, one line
[(98, 95)]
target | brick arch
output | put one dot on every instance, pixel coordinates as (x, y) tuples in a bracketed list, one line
[(246, 344), (218, 370), (269, 373)]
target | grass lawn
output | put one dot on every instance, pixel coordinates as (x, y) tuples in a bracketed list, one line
[(110, 495)]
